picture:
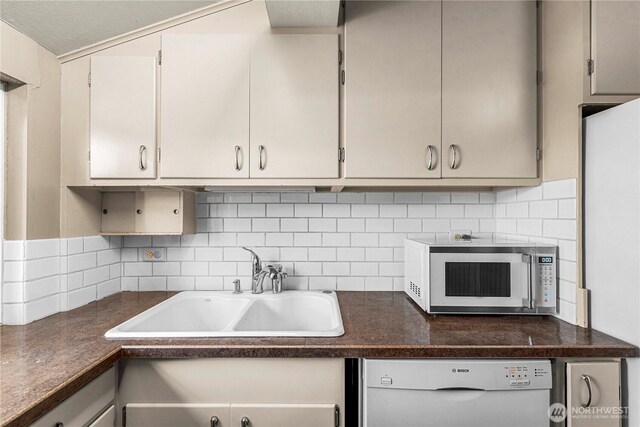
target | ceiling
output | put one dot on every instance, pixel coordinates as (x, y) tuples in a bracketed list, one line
[(62, 26)]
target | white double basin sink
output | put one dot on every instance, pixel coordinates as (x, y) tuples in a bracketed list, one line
[(201, 314)]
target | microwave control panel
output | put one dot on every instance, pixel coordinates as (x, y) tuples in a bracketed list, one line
[(546, 265)]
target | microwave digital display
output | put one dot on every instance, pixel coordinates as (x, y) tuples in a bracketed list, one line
[(545, 260)]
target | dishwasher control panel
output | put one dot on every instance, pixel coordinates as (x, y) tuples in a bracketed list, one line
[(521, 375), (458, 374)]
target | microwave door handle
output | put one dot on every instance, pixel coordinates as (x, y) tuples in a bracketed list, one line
[(528, 302)]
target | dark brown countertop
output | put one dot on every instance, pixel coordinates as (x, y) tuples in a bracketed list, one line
[(46, 361)]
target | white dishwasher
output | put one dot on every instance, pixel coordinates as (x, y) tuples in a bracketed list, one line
[(455, 393)]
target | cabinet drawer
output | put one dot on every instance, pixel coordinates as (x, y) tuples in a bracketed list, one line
[(84, 405), (177, 414), (285, 415)]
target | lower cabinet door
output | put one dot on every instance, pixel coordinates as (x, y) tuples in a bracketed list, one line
[(177, 414), (283, 415), (593, 394), (107, 419)]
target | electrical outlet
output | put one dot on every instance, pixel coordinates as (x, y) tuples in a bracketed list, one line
[(460, 236), (153, 254)]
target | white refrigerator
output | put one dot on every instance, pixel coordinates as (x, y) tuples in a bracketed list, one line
[(612, 233)]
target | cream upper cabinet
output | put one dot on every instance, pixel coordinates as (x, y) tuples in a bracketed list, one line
[(615, 47), (392, 89), (123, 117), (294, 106), (489, 89), (593, 390), (205, 106)]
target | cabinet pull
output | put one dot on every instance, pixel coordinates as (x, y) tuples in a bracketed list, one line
[(453, 156), (244, 422), (143, 158), (430, 157), (238, 157), (214, 421), (261, 164), (587, 381)]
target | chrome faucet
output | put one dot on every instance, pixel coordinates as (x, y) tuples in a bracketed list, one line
[(258, 274)]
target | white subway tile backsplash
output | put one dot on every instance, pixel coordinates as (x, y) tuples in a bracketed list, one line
[(209, 283), (350, 284), (436, 198), (560, 229), (378, 198), (180, 254), (42, 248), (450, 211), (250, 239), (465, 198), (478, 211), (344, 241), (351, 197), (237, 224), (280, 210), (567, 208), (319, 254), (322, 224), (44, 267), (562, 189), (152, 284), (246, 211), (294, 224), (266, 197), (518, 210), (393, 211), (365, 211), (323, 198), (529, 193), (197, 268)]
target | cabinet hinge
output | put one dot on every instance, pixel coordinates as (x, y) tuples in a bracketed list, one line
[(159, 155), (342, 77), (159, 57), (339, 56), (124, 416), (89, 80), (337, 416), (538, 77), (341, 154), (538, 154), (589, 67), (88, 156)]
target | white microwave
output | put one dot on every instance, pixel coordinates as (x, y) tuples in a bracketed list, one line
[(481, 278)]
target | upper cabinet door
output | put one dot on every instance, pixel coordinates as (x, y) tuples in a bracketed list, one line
[(392, 89), (489, 89), (123, 117), (205, 106), (294, 106), (615, 47)]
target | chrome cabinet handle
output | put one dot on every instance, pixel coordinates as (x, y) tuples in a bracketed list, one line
[(587, 381), (261, 164), (453, 156), (430, 157), (244, 422), (238, 157), (214, 421), (143, 158)]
